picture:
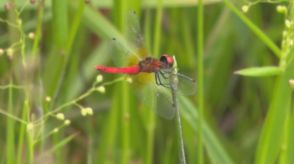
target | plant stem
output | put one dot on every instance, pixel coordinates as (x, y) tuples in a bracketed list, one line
[(10, 128), (38, 33), (200, 80)]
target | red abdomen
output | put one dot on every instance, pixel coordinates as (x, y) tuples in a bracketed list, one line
[(119, 70)]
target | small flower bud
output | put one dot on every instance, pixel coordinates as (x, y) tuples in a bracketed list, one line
[(10, 52), (288, 23), (1, 51), (129, 80), (101, 89), (30, 126), (31, 35), (291, 83), (84, 112), (285, 33), (89, 111), (67, 122), (290, 42), (245, 8), (55, 130), (99, 78), (60, 116), (281, 9), (48, 98)]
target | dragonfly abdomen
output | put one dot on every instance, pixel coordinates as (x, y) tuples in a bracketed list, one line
[(119, 70)]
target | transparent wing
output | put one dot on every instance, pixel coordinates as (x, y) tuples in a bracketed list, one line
[(130, 48), (134, 32), (164, 102), (163, 105), (186, 85)]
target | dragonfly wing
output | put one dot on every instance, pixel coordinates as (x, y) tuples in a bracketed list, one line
[(121, 54), (165, 107), (186, 85), (160, 101), (134, 31), (130, 48)]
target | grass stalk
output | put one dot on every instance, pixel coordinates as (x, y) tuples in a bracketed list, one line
[(10, 123), (38, 31), (124, 89), (157, 30), (10, 128), (125, 122), (151, 123), (200, 79), (30, 135), (22, 131), (155, 51)]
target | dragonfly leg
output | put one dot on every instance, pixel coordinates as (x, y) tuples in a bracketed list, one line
[(158, 81), (163, 74)]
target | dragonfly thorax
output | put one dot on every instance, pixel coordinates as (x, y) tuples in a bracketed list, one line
[(149, 65)]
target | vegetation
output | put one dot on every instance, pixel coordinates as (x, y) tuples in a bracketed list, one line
[(55, 107)]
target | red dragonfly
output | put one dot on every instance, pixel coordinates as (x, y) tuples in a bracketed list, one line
[(160, 67)]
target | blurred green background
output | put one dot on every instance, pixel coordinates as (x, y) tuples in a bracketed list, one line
[(56, 108)]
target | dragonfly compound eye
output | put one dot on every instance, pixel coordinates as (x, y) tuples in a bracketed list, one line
[(167, 60)]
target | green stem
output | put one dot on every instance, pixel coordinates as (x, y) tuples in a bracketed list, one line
[(200, 80), (125, 123), (30, 135), (151, 121), (10, 128), (38, 33), (157, 28), (21, 136)]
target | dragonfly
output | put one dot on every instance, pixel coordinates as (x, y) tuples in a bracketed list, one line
[(162, 67)]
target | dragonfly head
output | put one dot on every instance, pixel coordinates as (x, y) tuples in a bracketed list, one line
[(166, 59)]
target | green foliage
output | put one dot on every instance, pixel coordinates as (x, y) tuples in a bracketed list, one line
[(260, 71), (55, 105)]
